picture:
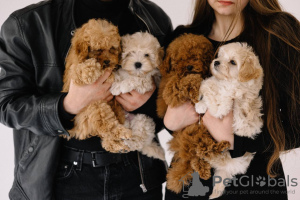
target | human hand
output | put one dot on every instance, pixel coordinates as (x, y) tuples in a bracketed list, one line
[(181, 116), (80, 96), (220, 129), (133, 100)]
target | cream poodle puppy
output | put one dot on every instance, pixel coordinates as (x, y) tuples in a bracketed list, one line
[(235, 85), (141, 57)]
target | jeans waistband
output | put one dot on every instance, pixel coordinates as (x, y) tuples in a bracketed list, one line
[(93, 158)]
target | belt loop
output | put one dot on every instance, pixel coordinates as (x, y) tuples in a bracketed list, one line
[(125, 159), (79, 160)]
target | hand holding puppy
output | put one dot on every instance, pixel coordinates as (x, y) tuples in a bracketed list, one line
[(133, 100), (79, 96), (179, 117), (220, 129)]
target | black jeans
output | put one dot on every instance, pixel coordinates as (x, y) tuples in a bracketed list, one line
[(121, 181)]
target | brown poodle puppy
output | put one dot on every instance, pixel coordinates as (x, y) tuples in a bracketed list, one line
[(96, 48), (186, 64)]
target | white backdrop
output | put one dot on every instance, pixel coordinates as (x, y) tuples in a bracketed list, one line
[(180, 13)]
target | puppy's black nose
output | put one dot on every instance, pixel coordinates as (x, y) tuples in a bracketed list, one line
[(190, 67), (106, 62), (138, 65)]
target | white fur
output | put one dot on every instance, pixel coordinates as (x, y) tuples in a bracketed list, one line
[(125, 82), (226, 91), (143, 129), (145, 49)]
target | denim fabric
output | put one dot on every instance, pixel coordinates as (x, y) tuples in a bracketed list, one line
[(119, 181)]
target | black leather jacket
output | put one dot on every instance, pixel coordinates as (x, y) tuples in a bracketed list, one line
[(34, 42)]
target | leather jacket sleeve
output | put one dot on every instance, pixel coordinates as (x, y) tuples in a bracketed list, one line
[(22, 104)]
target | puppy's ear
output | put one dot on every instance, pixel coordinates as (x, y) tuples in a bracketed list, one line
[(160, 56), (248, 70), (125, 40), (82, 50), (120, 53), (166, 66)]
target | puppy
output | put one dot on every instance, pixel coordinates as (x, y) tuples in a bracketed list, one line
[(186, 64), (96, 48), (235, 85), (141, 57)]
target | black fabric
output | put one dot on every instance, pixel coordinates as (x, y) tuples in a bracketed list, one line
[(78, 181), (115, 11), (91, 9)]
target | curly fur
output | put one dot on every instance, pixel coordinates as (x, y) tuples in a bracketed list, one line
[(96, 48), (235, 84), (186, 64), (141, 57)]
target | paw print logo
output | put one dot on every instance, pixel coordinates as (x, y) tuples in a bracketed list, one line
[(261, 181)]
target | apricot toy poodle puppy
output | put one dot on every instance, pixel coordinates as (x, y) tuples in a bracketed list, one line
[(186, 64), (235, 85), (141, 56), (96, 48)]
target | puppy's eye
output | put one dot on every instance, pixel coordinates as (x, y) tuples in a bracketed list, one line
[(112, 50), (98, 52), (146, 55), (233, 62)]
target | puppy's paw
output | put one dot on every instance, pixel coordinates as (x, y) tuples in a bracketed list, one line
[(123, 133), (218, 190), (115, 89), (88, 71), (115, 146), (200, 107)]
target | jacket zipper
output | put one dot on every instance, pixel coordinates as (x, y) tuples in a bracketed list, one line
[(141, 20), (139, 159), (72, 33), (141, 173)]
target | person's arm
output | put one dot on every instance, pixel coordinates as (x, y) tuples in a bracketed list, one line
[(65, 117), (221, 130), (177, 118), (22, 106)]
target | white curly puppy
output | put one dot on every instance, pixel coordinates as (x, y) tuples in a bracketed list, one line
[(235, 85), (141, 56)]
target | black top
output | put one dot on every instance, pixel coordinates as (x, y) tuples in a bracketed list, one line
[(117, 12)]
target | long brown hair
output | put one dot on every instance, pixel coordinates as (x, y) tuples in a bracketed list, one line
[(268, 27)]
